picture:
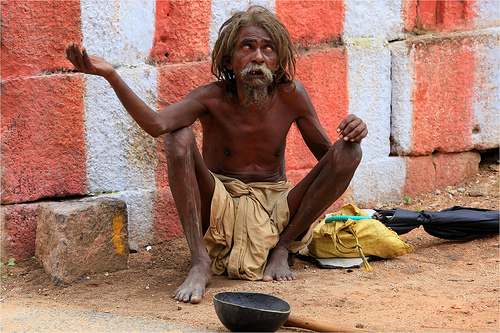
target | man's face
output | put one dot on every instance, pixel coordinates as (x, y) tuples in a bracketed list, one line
[(254, 57), (254, 63)]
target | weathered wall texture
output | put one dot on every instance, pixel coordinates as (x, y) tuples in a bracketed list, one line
[(424, 75)]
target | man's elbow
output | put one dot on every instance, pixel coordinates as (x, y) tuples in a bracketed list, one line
[(157, 130)]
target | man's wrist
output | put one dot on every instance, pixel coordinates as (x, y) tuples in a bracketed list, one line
[(112, 77)]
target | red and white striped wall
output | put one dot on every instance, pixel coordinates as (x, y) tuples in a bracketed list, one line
[(424, 75)]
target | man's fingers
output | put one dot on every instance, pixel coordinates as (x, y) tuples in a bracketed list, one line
[(79, 58), (356, 135), (86, 59), (352, 129), (359, 137), (72, 51), (343, 125), (70, 54)]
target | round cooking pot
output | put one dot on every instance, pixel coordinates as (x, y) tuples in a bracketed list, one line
[(254, 312), (251, 312)]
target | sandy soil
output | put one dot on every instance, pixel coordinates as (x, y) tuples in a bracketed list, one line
[(443, 286)]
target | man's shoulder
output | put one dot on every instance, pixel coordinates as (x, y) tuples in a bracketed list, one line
[(212, 96), (211, 90), (294, 88), (293, 94)]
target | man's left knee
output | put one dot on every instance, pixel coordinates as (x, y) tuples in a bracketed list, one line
[(346, 155)]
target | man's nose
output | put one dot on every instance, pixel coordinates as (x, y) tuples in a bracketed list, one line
[(258, 56)]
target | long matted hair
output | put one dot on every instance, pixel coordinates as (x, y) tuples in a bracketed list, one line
[(228, 33)]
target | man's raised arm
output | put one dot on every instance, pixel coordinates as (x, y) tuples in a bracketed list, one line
[(173, 117)]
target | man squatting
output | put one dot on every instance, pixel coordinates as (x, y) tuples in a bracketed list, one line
[(237, 209)]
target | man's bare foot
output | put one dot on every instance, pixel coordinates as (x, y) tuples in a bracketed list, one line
[(277, 266), (193, 288)]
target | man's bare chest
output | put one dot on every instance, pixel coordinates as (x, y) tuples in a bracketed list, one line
[(270, 128)]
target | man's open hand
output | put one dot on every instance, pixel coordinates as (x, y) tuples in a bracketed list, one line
[(352, 129), (85, 63)]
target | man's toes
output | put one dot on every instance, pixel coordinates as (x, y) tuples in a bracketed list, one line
[(196, 299), (267, 278)]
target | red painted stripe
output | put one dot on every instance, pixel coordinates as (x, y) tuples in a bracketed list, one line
[(438, 15), (312, 22), (181, 31), (35, 34), (43, 139), (443, 96)]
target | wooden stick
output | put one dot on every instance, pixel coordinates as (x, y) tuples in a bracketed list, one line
[(318, 326)]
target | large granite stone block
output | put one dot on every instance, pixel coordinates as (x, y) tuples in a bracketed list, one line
[(79, 237)]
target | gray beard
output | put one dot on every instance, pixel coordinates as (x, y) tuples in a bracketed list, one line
[(257, 96)]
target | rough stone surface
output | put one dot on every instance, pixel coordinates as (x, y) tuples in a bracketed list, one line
[(175, 20), (18, 231), (378, 181), (43, 139), (437, 171), (120, 31), (329, 95), (312, 22), (373, 19), (401, 103), (442, 94), (79, 237), (486, 130), (166, 221), (451, 168), (432, 15), (140, 211), (34, 36), (369, 82), (420, 176), (121, 156), (221, 11), (487, 13)]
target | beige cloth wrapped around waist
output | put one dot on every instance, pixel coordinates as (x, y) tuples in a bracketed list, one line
[(245, 223)]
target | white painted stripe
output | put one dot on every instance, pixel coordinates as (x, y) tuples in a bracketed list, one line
[(373, 18), (486, 90), (140, 216), (120, 31), (369, 87), (120, 155), (402, 109), (487, 13), (378, 182), (223, 9)]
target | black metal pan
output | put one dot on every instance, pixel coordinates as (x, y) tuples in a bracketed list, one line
[(255, 312)]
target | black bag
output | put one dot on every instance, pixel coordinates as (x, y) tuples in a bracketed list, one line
[(451, 223)]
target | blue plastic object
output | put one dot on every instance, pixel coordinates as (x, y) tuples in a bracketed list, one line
[(345, 218)]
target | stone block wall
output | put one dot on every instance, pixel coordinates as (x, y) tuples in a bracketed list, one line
[(424, 75)]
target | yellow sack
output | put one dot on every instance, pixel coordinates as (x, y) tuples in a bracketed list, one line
[(355, 238)]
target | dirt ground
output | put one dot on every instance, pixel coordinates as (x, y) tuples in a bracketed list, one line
[(443, 286)]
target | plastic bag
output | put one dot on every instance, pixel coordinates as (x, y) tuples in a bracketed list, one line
[(356, 238)]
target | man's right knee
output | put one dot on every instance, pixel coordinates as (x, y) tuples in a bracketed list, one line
[(178, 143)]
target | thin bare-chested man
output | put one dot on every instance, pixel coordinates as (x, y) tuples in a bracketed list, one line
[(237, 210)]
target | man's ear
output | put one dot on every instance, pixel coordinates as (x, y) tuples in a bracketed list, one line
[(276, 67), (229, 64)]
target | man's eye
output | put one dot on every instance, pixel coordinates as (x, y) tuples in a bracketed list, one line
[(246, 47), (268, 49)]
